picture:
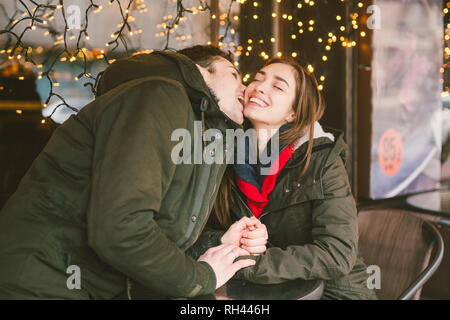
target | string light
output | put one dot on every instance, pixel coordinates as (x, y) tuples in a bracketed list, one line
[(42, 15), (345, 27), (446, 64), (343, 30)]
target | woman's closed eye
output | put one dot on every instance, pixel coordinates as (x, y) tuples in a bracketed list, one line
[(278, 86)]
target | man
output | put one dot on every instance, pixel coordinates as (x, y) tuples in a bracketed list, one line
[(104, 205)]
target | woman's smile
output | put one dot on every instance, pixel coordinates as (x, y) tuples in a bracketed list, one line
[(257, 100)]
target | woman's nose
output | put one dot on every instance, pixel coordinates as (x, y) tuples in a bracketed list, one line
[(260, 87)]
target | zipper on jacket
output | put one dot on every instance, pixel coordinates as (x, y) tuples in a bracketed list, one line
[(242, 201), (209, 200)]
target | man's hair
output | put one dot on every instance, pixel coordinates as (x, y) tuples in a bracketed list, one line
[(205, 56)]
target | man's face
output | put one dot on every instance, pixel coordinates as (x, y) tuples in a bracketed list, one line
[(226, 84)]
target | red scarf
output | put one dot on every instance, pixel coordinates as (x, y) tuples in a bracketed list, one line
[(256, 199)]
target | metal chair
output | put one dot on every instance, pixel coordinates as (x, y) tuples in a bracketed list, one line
[(401, 244)]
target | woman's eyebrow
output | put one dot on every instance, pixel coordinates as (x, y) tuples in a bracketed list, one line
[(276, 77), (281, 79)]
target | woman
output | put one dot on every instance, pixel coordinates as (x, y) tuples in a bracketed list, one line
[(305, 202)]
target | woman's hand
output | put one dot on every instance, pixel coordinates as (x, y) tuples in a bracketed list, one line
[(247, 233), (236, 230), (255, 240)]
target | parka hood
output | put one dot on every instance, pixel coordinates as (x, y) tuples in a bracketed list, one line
[(318, 133), (323, 138), (165, 64)]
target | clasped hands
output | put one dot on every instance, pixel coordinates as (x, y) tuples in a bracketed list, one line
[(249, 234), (245, 237)]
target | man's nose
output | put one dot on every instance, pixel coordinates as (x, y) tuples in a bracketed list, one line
[(243, 88)]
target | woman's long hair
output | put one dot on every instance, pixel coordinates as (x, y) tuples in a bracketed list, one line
[(308, 107)]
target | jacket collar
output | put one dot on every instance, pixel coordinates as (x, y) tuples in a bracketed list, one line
[(289, 190), (324, 137), (318, 133)]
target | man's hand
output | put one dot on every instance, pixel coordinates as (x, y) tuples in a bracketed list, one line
[(221, 259)]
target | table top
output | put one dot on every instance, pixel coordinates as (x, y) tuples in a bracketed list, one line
[(434, 202), (290, 290), (243, 290)]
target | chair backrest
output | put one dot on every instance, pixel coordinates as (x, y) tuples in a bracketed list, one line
[(395, 241)]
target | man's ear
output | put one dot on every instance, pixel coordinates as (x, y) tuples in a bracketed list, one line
[(205, 73)]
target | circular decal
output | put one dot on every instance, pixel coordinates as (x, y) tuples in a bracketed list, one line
[(390, 152)]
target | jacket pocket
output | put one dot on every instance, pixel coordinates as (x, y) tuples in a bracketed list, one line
[(295, 193)]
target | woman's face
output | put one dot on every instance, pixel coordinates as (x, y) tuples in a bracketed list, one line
[(271, 95)]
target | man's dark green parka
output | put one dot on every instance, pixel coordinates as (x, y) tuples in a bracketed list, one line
[(106, 196)]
